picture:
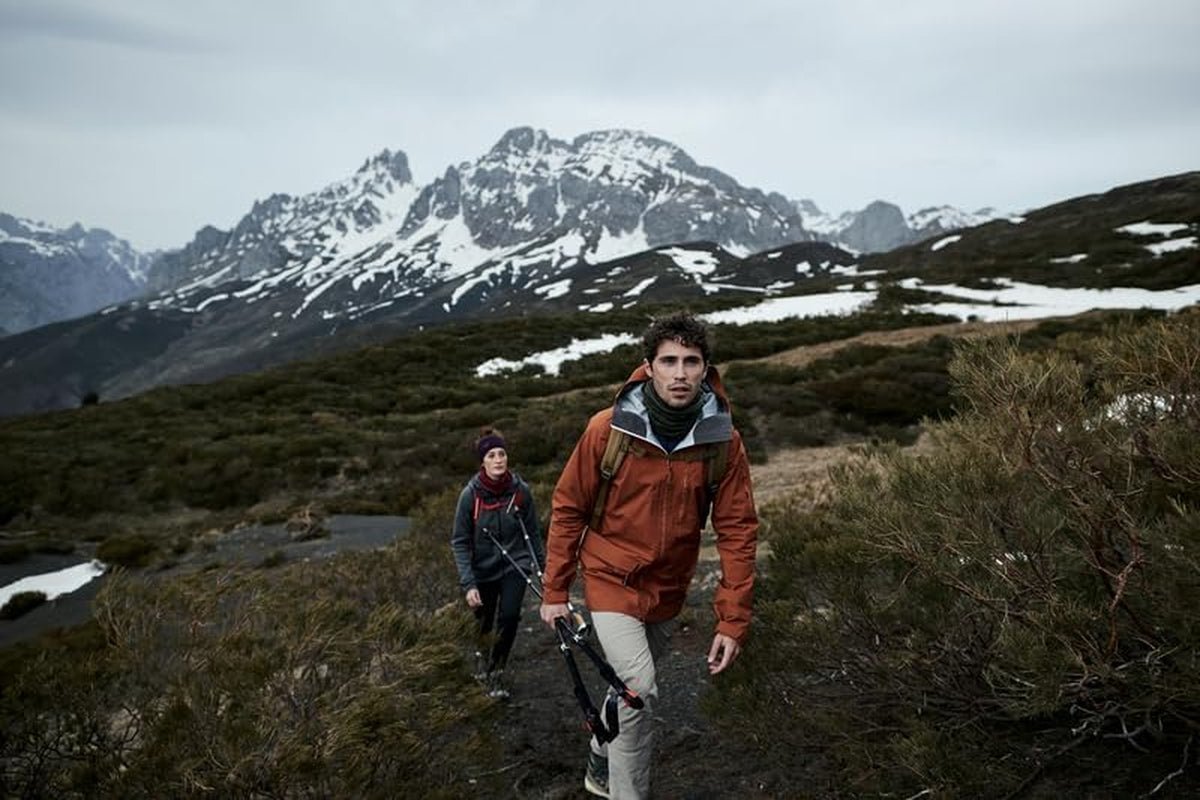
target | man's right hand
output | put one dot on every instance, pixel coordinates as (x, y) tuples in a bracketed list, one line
[(552, 611), (473, 598)]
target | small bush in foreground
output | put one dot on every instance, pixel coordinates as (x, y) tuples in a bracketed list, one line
[(127, 550), (335, 678), (1012, 615), (21, 604)]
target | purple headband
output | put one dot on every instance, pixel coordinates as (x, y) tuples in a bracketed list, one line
[(490, 442)]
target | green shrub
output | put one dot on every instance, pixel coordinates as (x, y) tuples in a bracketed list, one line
[(1011, 615), (344, 678), (21, 604), (131, 550)]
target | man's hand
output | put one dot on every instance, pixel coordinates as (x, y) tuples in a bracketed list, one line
[(473, 598), (552, 611), (722, 653)]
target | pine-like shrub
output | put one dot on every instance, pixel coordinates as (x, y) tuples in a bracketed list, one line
[(1013, 614)]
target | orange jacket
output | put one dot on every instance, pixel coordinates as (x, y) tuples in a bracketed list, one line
[(643, 558)]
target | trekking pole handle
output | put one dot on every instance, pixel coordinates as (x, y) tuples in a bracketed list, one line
[(578, 623)]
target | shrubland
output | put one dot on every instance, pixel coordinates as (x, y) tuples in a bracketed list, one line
[(343, 678), (1005, 614), (1010, 612), (373, 431)]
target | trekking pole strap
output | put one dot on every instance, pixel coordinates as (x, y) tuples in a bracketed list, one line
[(631, 698)]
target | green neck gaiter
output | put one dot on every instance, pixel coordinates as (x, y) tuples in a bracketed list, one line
[(670, 423)]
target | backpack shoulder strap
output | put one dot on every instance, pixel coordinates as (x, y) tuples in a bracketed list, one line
[(614, 453), (718, 462)]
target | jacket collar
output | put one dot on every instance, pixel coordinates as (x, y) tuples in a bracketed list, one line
[(715, 423)]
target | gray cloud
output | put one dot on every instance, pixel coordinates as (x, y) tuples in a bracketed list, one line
[(153, 119)]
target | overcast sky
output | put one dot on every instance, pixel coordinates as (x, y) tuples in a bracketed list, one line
[(154, 118)]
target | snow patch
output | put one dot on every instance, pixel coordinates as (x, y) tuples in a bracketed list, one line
[(552, 360), (641, 287), (693, 262), (1148, 228), (946, 240), (553, 290), (1171, 245), (53, 584)]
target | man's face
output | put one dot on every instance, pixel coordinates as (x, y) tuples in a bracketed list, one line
[(676, 372)]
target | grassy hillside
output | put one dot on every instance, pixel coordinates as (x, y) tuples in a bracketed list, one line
[(1037, 249), (373, 431), (378, 430)]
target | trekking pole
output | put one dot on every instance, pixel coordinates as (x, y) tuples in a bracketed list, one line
[(504, 551), (568, 635), (605, 669), (592, 721), (578, 621)]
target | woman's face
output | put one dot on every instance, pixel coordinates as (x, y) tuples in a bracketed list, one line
[(495, 462)]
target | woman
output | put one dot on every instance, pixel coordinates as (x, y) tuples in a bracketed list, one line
[(496, 514)]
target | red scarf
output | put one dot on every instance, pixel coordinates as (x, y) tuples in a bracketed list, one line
[(497, 486)]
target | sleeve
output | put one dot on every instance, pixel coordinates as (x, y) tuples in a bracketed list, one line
[(736, 524), (461, 537), (571, 508)]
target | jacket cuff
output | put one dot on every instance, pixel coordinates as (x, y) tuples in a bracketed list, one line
[(737, 631), (554, 596)]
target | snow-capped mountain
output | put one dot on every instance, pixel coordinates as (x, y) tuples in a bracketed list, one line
[(519, 215), (49, 274), (611, 219), (937, 220), (283, 232), (882, 226)]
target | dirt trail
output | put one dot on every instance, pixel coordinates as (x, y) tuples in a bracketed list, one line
[(544, 745)]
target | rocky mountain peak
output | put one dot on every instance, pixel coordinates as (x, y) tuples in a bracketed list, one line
[(523, 140), (387, 162)]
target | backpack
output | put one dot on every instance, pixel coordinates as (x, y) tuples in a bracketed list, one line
[(715, 454)]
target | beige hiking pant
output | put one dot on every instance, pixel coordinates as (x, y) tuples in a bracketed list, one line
[(631, 647)]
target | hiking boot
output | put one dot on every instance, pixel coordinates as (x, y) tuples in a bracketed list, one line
[(595, 780), (497, 689)]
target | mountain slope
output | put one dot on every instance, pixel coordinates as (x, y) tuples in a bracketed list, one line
[(536, 225), (882, 226), (522, 224), (1141, 235), (48, 274)]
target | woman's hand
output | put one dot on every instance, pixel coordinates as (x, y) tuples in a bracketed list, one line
[(473, 598)]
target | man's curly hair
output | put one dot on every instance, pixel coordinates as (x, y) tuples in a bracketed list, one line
[(679, 327)]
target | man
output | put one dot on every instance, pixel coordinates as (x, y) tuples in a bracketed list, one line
[(638, 562)]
